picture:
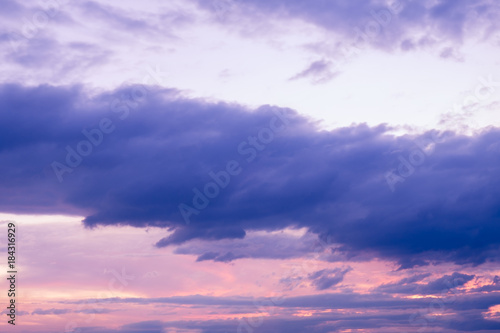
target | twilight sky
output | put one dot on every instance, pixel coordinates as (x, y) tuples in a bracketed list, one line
[(215, 166)]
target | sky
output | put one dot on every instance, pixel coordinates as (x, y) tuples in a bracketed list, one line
[(247, 166)]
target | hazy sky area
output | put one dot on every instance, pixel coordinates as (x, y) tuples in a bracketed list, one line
[(251, 166)]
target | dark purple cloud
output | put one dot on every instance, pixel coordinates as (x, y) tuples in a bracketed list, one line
[(268, 246), (160, 149)]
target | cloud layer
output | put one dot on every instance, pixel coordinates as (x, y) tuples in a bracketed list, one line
[(214, 171)]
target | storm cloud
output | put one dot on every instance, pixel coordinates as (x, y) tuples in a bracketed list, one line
[(136, 160)]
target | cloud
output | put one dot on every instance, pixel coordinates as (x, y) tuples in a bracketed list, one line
[(43, 312), (444, 284), (388, 25), (327, 278), (18, 313), (319, 72), (227, 257), (262, 245), (47, 36), (323, 324), (151, 326), (493, 286), (115, 17), (384, 311), (10, 8), (340, 300), (50, 312), (161, 150), (94, 311)]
